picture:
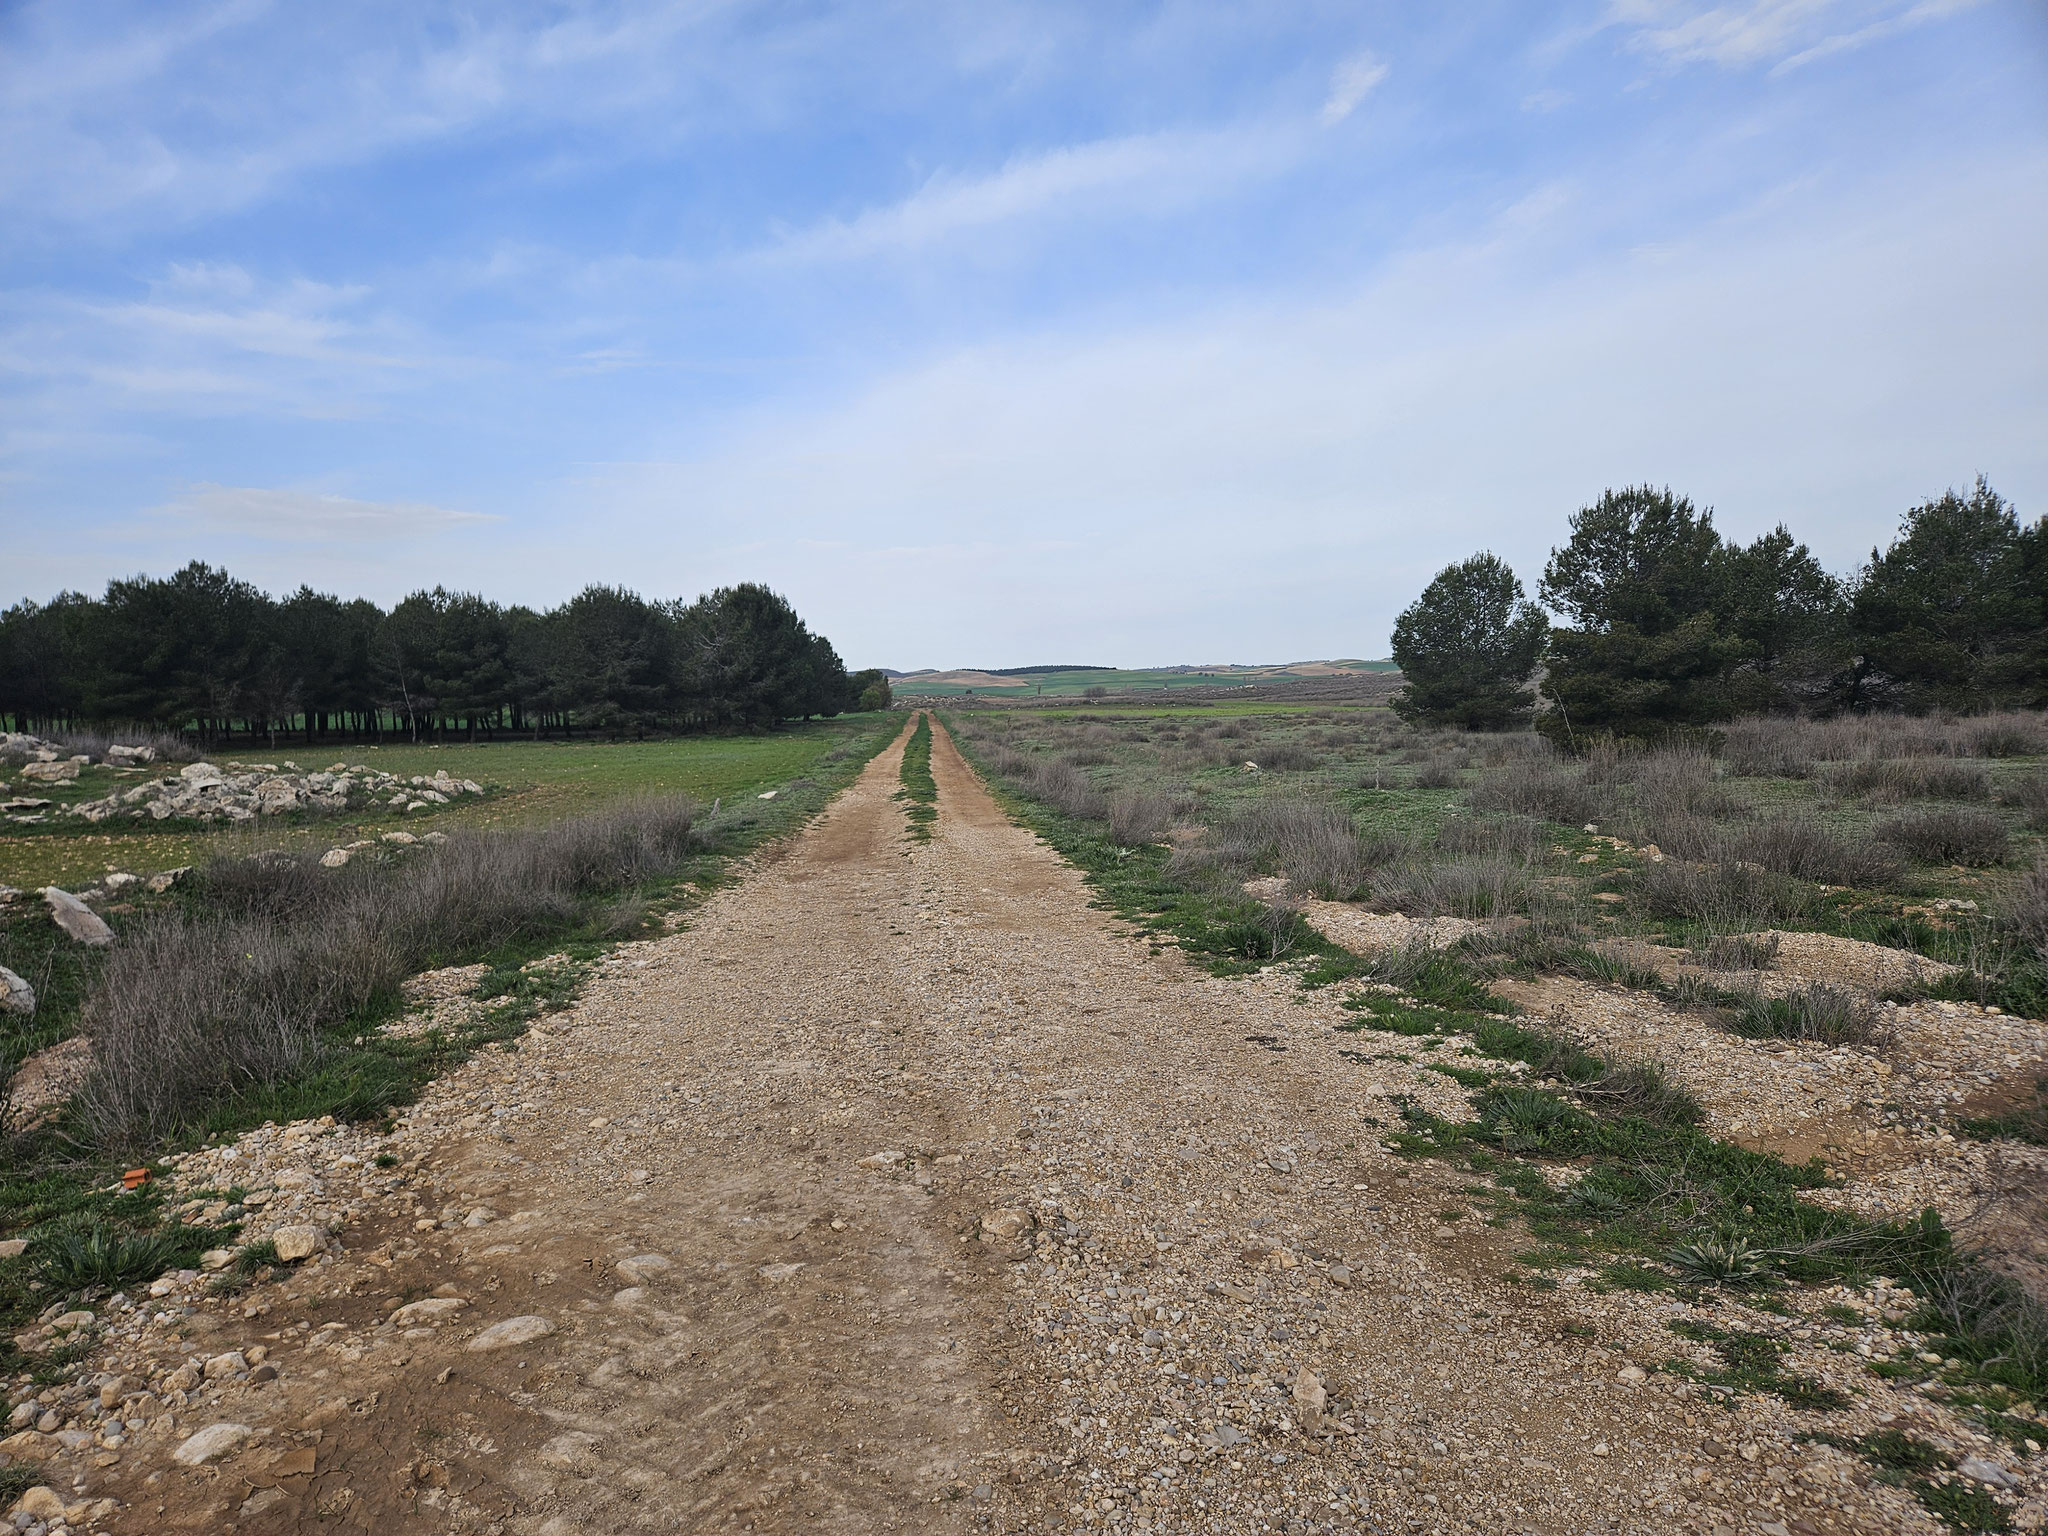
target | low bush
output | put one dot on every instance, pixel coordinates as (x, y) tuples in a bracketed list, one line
[(1471, 885), (1285, 757), (1924, 778), (1948, 836), (1067, 789), (2030, 797), (1738, 951), (1512, 837), (1533, 786), (1767, 747), (1138, 816), (1440, 771), (1725, 894), (2026, 908), (1807, 849)]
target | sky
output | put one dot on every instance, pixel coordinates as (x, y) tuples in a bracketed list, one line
[(1002, 334)]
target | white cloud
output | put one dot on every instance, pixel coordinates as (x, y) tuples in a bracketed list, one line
[(1350, 83), (1154, 173), (313, 517), (1785, 33), (1280, 480)]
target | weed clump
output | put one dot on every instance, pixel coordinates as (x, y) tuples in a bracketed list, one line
[(1816, 1012)]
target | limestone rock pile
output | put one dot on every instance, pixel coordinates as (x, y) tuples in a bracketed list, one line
[(243, 792)]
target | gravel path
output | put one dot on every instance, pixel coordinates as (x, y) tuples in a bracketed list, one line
[(904, 1191)]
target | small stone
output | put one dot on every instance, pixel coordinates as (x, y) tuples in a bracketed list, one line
[(230, 1364), (40, 1503), (1634, 1375), (1310, 1398), (334, 858), (777, 1273), (643, 1267), (215, 1258), (13, 1248), (72, 1320), (432, 1309), (1004, 1225), (1340, 1276), (264, 1372), (211, 1444), (573, 1451), (16, 995), (1989, 1472), (24, 1415), (880, 1160), (50, 1422), (298, 1242), (1600, 1449), (513, 1330)]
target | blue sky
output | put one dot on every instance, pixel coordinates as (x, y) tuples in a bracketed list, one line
[(999, 334)]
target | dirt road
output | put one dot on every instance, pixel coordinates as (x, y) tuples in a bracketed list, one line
[(903, 1191)]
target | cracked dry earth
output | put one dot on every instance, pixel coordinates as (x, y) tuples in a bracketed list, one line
[(904, 1191)]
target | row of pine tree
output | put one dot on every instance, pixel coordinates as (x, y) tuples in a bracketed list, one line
[(204, 653)]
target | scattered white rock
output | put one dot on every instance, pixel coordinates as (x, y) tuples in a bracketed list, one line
[(211, 1444), (431, 1309), (77, 919), (513, 1330), (16, 995), (299, 1242)]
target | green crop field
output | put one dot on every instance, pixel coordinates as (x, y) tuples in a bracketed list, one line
[(528, 781), (1121, 681)]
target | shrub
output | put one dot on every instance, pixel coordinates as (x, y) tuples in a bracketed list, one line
[(1473, 885), (1514, 837), (1067, 789), (1725, 894), (1947, 836), (1440, 771), (1309, 842), (1817, 1012), (1285, 757), (1803, 847), (1767, 747), (1739, 952), (1532, 786), (1137, 817), (2026, 906), (1911, 779), (2030, 797)]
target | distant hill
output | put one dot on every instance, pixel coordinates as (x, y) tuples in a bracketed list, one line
[(1069, 679)]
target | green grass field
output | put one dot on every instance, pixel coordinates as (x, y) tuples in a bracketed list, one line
[(529, 781), (1121, 681)]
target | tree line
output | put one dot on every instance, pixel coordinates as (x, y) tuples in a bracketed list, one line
[(1668, 626), (203, 652)]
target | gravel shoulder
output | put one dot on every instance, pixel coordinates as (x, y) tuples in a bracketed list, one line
[(902, 1190)]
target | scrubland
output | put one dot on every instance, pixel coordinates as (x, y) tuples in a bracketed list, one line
[(1611, 952)]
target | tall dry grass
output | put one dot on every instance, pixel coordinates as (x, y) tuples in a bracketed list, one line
[(247, 984)]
